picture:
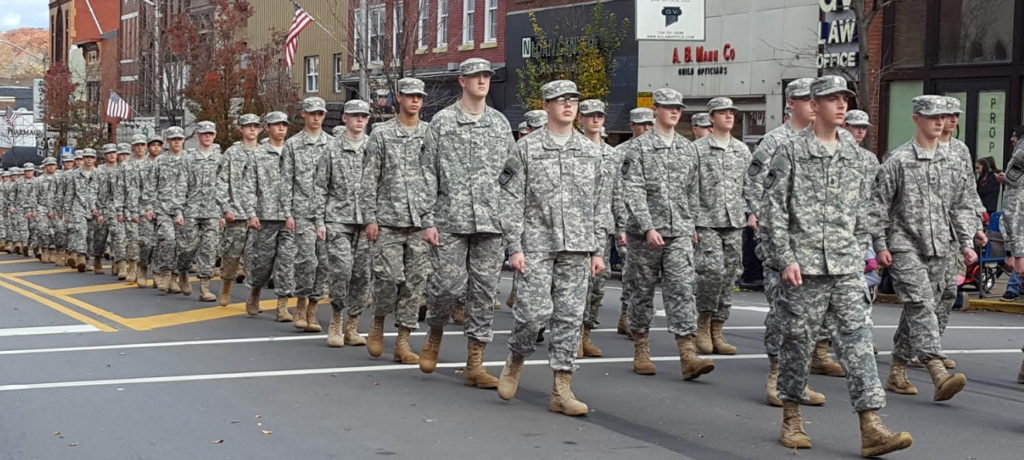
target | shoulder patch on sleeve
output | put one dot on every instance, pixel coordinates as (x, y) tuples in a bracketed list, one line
[(755, 167), (626, 163), (770, 179), (506, 175), (1015, 171)]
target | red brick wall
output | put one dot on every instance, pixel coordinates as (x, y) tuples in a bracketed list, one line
[(874, 38), (524, 5)]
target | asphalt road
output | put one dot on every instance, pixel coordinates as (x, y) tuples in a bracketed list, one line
[(93, 369)]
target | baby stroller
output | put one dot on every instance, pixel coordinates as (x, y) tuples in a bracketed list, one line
[(984, 273)]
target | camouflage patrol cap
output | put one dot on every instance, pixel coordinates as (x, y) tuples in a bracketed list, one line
[(155, 138), (15, 170), (668, 97), (929, 105), (702, 119), (88, 153), (275, 117), (475, 65), (248, 119), (799, 88), (857, 118), (536, 118), (357, 106), (314, 104), (523, 127), (410, 85), (830, 84), (50, 161), (29, 165), (720, 103), (124, 149), (174, 132), (206, 127), (641, 115), (138, 139), (556, 88), (78, 155), (590, 106), (108, 148), (67, 157), (952, 105)]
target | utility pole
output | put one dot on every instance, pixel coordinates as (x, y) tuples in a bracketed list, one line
[(157, 77), (364, 53)]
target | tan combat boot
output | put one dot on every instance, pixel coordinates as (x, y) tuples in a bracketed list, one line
[(876, 439), (949, 363), (642, 354), (431, 348), (589, 349), (508, 383), (812, 398), (282, 310), (375, 339), (562, 399), (334, 338), (140, 276), (897, 381), (623, 325), (511, 300), (225, 292), (121, 270), (718, 342), (204, 291), (172, 283), (252, 304), (132, 274), (350, 332), (475, 374), (163, 280), (71, 260), (703, 342), (312, 324), (184, 284), (97, 265), (793, 434), (692, 365), (771, 384), (403, 352), (300, 313), (946, 386), (1020, 373), (44, 255), (459, 314), (822, 363)]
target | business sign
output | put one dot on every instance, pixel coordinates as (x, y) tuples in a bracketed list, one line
[(669, 20), (838, 39)]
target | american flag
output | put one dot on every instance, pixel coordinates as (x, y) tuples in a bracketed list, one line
[(299, 22), (117, 107)]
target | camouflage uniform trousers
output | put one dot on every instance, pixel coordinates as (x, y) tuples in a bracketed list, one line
[(718, 257), (165, 246), (919, 282), (627, 287), (675, 262), (131, 244), (955, 266), (309, 251), (99, 238), (42, 232), (118, 232), (270, 250), (595, 288), (401, 267), (360, 283), (341, 243), (803, 310), (466, 265), (59, 231), (19, 227), (232, 245), (198, 242), (147, 241), (551, 294), (773, 320), (80, 234)]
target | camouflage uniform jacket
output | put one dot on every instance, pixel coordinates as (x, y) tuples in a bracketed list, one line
[(753, 188), (82, 190), (392, 187), (47, 184), (264, 192), (1012, 223), (166, 188), (300, 157), (201, 182), (232, 183), (461, 162), (721, 179), (28, 196), (962, 152), (556, 197), (611, 165), (133, 171), (817, 209), (338, 182), (660, 185), (110, 196), (147, 176)]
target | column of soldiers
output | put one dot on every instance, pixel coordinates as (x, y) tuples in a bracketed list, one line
[(420, 213)]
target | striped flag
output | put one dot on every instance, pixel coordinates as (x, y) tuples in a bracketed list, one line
[(299, 22), (117, 107)]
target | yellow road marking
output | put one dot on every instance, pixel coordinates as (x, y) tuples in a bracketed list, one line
[(58, 307), (16, 261), (198, 315), (73, 301), (101, 288), (53, 271)]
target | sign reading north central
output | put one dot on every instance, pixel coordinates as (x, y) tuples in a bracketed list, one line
[(670, 20)]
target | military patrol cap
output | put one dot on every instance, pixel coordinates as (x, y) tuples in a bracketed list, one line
[(720, 103), (523, 127), (29, 166), (641, 115), (702, 119), (929, 105), (124, 149), (410, 85), (88, 153), (828, 85), (174, 132), (857, 118), (15, 171), (357, 106), (155, 138), (799, 88), (475, 65), (953, 105), (314, 104), (275, 117), (50, 161), (138, 139), (67, 157), (248, 119), (668, 97), (206, 127), (109, 148), (590, 106), (553, 89), (536, 118)]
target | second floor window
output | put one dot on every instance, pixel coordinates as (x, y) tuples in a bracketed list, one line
[(423, 24), (468, 12), (491, 25), (442, 23), (312, 74)]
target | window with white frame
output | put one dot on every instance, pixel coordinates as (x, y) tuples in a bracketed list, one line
[(468, 12), (338, 75), (378, 33), (312, 74), (442, 23), (491, 26), (424, 22), (398, 31)]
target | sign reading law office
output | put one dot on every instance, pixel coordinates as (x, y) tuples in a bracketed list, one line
[(670, 19)]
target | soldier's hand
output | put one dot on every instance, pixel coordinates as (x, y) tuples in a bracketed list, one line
[(149, 215), (254, 223), (135, 220), (695, 238), (884, 258), (50, 215), (596, 265), (980, 239), (654, 240), (179, 220), (791, 275), (289, 224), (321, 233), (95, 213), (622, 239), (518, 262), (970, 256), (221, 223), (229, 216), (372, 232), (752, 222), (120, 218), (99, 220), (432, 237)]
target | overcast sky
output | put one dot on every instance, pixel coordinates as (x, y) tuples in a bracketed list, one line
[(24, 13)]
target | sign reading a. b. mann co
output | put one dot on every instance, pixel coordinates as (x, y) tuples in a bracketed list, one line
[(670, 19)]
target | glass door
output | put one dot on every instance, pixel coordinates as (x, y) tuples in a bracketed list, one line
[(983, 123)]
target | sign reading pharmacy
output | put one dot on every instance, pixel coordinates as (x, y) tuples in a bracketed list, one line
[(670, 20)]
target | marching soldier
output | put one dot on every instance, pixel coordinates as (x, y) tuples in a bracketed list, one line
[(133, 172), (641, 120), (59, 207), (110, 203), (82, 211), (231, 194), (199, 237), (701, 124), (28, 207), (165, 202), (148, 221), (46, 215)]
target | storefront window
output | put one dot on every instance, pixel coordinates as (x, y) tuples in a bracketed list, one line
[(974, 31), (991, 125), (908, 33), (901, 127)]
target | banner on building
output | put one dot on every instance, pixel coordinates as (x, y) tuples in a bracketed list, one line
[(669, 20)]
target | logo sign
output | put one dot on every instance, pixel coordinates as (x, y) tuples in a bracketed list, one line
[(67, 149), (669, 20), (645, 99)]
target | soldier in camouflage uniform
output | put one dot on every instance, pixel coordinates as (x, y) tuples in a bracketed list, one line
[(721, 215), (535, 120), (231, 194), (21, 197), (5, 219), (917, 228), (556, 225), (28, 206), (133, 172), (659, 175), (641, 120), (857, 123), (166, 199), (199, 238), (701, 125), (1012, 222), (816, 226), (59, 208), (46, 207), (110, 201), (391, 201), (148, 221), (266, 199), (463, 155), (82, 210), (124, 151)]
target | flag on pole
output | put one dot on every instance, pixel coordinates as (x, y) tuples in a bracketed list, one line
[(117, 107), (299, 22)]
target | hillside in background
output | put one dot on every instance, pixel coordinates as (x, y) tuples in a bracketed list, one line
[(17, 67)]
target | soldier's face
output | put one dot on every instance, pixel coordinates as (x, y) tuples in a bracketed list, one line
[(356, 123), (929, 126), (110, 158), (79, 162), (139, 150), (592, 123), (277, 131), (30, 174), (951, 123), (121, 158), (802, 111), (250, 132), (155, 148), (89, 161), (476, 85), (723, 119), (50, 169), (314, 120), (68, 165), (700, 132), (639, 128), (859, 132), (176, 144), (667, 116), (562, 113), (830, 109), (410, 104), (206, 139)]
